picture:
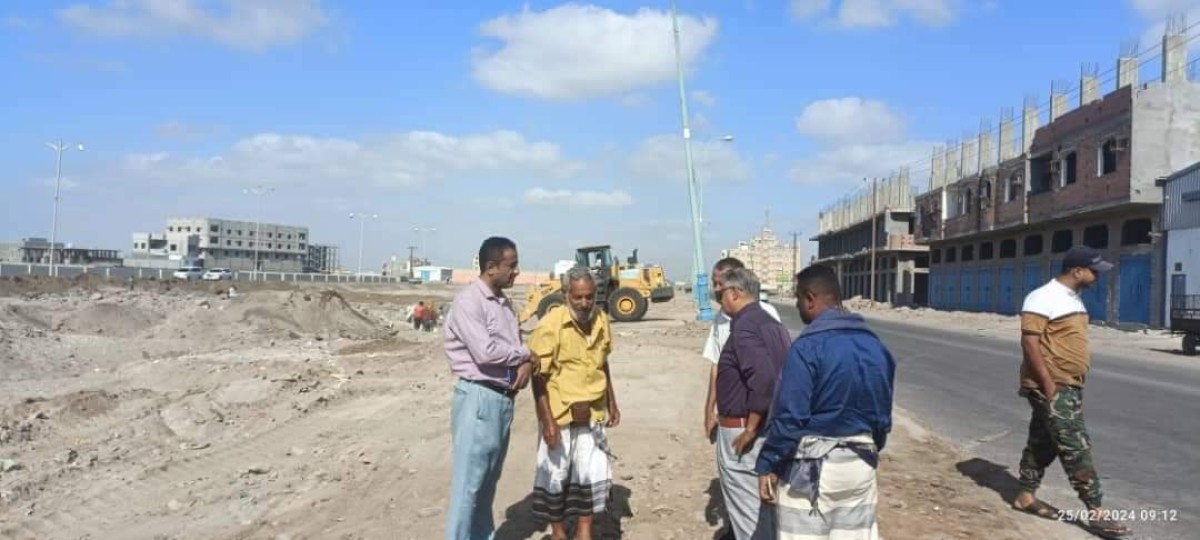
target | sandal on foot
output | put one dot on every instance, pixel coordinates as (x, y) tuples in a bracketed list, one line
[(1037, 508), (1108, 528)]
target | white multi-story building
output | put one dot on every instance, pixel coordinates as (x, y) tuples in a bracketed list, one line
[(772, 261), (225, 243)]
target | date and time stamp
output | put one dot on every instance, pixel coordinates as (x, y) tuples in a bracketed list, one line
[(1118, 514)]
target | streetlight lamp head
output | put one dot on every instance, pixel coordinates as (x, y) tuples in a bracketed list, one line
[(727, 138), (79, 147)]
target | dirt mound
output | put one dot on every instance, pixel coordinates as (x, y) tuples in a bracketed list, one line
[(323, 313), (110, 319)]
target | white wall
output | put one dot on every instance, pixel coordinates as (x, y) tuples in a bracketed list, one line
[(1183, 247)]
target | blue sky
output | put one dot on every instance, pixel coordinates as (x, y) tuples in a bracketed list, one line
[(555, 124)]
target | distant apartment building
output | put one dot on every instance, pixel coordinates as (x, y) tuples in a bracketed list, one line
[(999, 225), (772, 261), (322, 259), (224, 243), (37, 251), (844, 241)]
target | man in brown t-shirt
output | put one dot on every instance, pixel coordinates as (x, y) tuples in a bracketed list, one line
[(1054, 339)]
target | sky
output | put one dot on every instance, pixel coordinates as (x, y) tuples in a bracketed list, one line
[(555, 124)]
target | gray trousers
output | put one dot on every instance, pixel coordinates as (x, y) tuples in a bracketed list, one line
[(748, 517)]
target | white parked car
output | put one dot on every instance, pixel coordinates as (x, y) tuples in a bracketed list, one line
[(218, 274), (189, 273)]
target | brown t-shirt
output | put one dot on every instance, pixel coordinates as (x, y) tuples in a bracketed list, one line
[(1056, 315)]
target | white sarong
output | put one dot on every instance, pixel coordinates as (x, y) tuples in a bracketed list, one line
[(573, 479), (846, 496)]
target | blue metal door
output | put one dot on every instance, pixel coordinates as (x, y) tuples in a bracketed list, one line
[(951, 289), (984, 300), (1031, 279), (935, 287), (1006, 299), (967, 301), (1134, 292), (1096, 299)]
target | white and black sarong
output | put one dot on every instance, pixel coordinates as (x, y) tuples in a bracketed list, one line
[(828, 492), (573, 479)]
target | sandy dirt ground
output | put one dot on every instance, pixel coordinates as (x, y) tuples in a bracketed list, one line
[(175, 411)]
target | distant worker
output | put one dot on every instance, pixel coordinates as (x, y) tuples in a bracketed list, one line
[(418, 315), (830, 419), (575, 402), (483, 345), (747, 371), (1054, 339)]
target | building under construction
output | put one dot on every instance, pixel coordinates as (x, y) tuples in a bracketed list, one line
[(999, 222), (868, 238)]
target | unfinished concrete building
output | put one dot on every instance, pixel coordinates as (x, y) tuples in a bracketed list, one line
[(845, 242), (1088, 176)]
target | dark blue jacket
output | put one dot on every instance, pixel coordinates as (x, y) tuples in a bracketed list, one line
[(837, 381)]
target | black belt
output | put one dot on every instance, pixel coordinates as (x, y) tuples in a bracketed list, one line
[(506, 392)]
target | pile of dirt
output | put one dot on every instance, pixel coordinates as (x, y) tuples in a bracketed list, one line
[(322, 313), (110, 319)]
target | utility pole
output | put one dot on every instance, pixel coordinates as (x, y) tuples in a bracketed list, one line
[(411, 260), (362, 229), (874, 233), (58, 148), (257, 191), (703, 303)]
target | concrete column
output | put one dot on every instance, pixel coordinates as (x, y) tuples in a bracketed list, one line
[(1089, 89), (937, 168), (1029, 125), (1058, 104), (953, 166), (1174, 58), (1007, 147), (986, 154), (1127, 72), (970, 158)]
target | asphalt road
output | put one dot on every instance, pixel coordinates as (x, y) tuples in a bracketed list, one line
[(1143, 416)]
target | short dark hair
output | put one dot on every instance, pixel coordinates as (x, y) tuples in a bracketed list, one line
[(492, 251), (728, 263), (819, 280)]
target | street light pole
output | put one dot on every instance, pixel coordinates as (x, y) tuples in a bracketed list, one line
[(362, 229), (703, 305), (421, 231), (257, 191), (58, 148)]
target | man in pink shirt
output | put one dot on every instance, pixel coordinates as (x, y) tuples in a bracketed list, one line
[(482, 339)]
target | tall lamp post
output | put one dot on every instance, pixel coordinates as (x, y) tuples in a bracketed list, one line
[(362, 229), (700, 289), (58, 148), (700, 185), (421, 231), (257, 191)]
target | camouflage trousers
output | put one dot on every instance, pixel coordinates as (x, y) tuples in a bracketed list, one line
[(1056, 430)]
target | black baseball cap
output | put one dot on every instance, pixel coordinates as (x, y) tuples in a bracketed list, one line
[(1085, 257)]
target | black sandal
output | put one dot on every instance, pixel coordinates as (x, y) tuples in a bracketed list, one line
[(1038, 508)]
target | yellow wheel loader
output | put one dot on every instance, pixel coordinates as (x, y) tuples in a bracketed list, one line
[(624, 291)]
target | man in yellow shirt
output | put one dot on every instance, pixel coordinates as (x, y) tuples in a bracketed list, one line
[(575, 402)]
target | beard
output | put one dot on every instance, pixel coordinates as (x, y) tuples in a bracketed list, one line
[(583, 317)]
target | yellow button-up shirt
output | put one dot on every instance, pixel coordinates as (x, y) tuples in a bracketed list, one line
[(573, 363)]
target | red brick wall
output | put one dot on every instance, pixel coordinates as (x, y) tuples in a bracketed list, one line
[(1012, 212), (1083, 131)]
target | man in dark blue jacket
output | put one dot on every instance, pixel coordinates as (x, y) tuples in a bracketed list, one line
[(830, 418)]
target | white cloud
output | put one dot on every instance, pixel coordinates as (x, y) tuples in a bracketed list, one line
[(804, 9), (250, 25), (401, 160), (848, 164), (878, 13), (579, 199), (851, 120), (1156, 9), (704, 97), (574, 52), (662, 157), (857, 138)]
